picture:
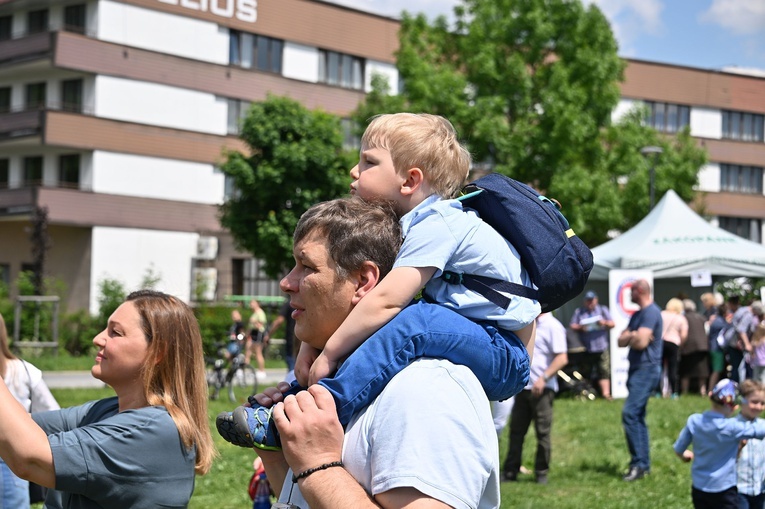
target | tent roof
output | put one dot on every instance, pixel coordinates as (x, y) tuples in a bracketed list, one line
[(673, 241)]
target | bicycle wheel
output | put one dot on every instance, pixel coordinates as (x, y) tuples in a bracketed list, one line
[(215, 379), (242, 383)]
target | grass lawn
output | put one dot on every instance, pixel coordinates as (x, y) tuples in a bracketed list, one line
[(589, 457)]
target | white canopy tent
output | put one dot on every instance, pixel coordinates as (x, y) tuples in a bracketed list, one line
[(673, 241)]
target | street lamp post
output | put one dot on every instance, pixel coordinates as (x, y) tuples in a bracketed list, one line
[(651, 153)]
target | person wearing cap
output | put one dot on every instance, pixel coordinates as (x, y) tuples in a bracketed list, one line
[(715, 438), (643, 337), (593, 321)]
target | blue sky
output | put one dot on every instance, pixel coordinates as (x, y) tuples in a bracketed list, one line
[(710, 34)]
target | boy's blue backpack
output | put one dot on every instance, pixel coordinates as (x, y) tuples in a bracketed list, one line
[(557, 261)]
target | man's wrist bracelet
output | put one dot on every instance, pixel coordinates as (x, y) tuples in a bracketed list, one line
[(306, 473)]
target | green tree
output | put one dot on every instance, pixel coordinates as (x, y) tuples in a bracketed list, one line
[(530, 86), (297, 160)]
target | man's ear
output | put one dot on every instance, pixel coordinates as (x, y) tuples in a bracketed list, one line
[(414, 179), (367, 278)]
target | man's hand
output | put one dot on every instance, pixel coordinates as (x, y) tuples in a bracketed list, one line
[(322, 367), (303, 362), (539, 386), (310, 431)]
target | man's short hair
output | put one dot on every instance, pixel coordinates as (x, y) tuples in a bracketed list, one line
[(356, 231), (424, 141)]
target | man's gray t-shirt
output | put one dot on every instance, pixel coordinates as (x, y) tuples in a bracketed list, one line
[(109, 459)]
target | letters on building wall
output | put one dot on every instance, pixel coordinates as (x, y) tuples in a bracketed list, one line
[(243, 10)]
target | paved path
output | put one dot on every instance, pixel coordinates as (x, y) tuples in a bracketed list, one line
[(83, 379)]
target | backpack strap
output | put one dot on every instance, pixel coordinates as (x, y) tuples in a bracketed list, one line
[(490, 287)]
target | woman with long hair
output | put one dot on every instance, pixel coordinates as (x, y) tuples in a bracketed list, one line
[(141, 448)]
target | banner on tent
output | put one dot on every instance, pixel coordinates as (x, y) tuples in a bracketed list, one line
[(622, 308)]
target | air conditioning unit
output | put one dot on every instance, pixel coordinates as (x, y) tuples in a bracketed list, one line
[(207, 248), (204, 282)]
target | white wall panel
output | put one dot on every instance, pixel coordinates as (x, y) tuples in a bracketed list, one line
[(300, 62), (160, 105), (709, 178), (152, 177), (126, 254), (624, 106), (706, 122), (388, 70), (165, 33)]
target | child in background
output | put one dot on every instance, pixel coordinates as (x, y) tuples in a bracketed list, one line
[(715, 440), (417, 163), (751, 459)]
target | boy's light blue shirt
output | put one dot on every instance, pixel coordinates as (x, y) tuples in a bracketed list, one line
[(750, 467), (439, 233), (715, 441)]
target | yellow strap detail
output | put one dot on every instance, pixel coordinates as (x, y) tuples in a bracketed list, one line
[(570, 233)]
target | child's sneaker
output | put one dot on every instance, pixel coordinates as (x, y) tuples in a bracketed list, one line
[(249, 427)]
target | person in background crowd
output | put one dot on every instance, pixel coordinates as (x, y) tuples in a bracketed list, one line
[(757, 335), (256, 338), (750, 465), (592, 322), (25, 383), (291, 346), (711, 302), (643, 337), (142, 448), (535, 401), (741, 322), (694, 353), (718, 322), (674, 334)]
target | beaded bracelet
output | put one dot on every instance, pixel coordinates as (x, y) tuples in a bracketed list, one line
[(306, 473)]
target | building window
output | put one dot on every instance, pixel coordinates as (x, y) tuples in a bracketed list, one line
[(5, 99), (32, 171), (269, 54), (253, 51), (6, 27), (4, 173), (37, 21), (747, 227), (351, 140), (738, 125), (237, 110), (247, 278), (74, 18), (35, 96), (71, 95), (69, 171), (741, 179), (341, 70), (667, 117)]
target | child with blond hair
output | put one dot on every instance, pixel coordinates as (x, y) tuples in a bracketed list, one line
[(750, 467), (416, 163), (715, 438)]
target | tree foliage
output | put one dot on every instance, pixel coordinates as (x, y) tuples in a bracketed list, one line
[(297, 160), (531, 86)]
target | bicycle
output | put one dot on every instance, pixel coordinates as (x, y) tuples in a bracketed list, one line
[(229, 370)]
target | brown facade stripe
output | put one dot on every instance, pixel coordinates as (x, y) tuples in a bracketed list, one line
[(80, 53), (694, 87), (308, 22), (92, 133), (735, 152), (733, 204), (86, 209)]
